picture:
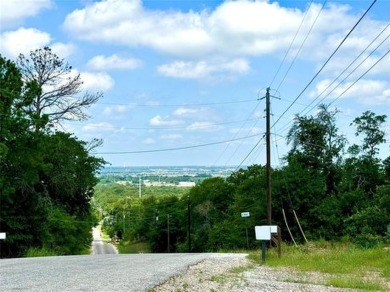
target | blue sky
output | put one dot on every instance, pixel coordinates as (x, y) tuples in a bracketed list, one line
[(181, 74)]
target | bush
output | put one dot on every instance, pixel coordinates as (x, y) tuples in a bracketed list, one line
[(368, 240), (39, 252)]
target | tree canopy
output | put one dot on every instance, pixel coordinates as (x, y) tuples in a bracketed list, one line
[(46, 176)]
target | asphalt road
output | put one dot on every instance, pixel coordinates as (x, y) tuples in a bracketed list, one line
[(99, 246), (119, 272)]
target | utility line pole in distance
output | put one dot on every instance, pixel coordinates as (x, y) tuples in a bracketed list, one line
[(268, 165)]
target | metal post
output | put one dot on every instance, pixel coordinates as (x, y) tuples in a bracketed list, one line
[(246, 229), (263, 251)]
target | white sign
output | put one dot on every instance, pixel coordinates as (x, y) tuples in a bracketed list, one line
[(245, 214), (264, 232), (3, 235)]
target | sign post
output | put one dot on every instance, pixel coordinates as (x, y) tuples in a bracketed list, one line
[(3, 235), (246, 215)]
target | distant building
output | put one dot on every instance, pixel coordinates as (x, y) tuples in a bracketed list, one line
[(186, 184)]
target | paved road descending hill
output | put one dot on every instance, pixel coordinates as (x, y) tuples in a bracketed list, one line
[(138, 272), (99, 246)]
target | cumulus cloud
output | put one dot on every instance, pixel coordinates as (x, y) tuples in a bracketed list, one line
[(14, 11), (183, 111), (96, 81), (164, 121), (172, 137), (149, 141), (63, 50), (203, 69), (113, 62), (116, 109), (370, 92), (203, 126), (232, 28), (98, 127), (22, 41)]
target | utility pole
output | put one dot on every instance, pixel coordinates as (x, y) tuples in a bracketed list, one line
[(168, 234), (139, 187), (189, 223), (268, 166), (268, 142)]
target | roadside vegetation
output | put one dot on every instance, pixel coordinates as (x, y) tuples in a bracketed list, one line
[(342, 265), (334, 190), (46, 175)]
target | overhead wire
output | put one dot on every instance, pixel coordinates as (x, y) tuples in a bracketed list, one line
[(330, 84), (301, 46), (345, 78), (291, 43), (179, 105), (175, 148), (326, 62)]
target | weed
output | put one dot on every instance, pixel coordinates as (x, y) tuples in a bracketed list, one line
[(39, 252)]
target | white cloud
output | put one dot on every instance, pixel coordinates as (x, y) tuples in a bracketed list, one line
[(149, 141), (203, 126), (203, 69), (22, 41), (63, 50), (182, 111), (369, 92), (96, 81), (98, 127), (116, 109), (246, 131), (14, 11), (113, 62), (232, 28), (164, 121), (172, 137)]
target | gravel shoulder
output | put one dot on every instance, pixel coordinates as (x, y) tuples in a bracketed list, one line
[(235, 272)]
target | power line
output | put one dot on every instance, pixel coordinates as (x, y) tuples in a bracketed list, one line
[(361, 76), (300, 48), (372, 52), (179, 105), (349, 74), (164, 128), (326, 62), (289, 48), (176, 148)]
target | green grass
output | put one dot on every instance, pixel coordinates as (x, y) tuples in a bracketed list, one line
[(354, 283), (137, 247), (39, 252), (346, 266)]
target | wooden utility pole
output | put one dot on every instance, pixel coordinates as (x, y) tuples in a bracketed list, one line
[(189, 223), (268, 166)]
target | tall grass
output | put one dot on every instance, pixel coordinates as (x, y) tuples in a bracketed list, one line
[(346, 265), (39, 252)]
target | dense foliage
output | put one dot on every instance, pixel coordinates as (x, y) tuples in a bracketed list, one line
[(46, 176), (335, 195)]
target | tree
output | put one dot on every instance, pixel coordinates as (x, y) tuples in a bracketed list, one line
[(369, 125), (317, 145), (59, 98), (46, 179)]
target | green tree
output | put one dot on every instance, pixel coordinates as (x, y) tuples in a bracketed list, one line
[(317, 145), (369, 125)]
